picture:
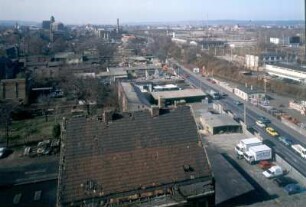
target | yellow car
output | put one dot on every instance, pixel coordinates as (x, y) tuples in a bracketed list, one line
[(271, 131)]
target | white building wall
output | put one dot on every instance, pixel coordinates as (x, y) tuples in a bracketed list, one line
[(274, 40), (251, 61), (241, 94)]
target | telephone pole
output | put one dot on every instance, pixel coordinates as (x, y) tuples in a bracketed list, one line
[(305, 30), (245, 114)]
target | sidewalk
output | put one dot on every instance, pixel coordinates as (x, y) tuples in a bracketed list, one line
[(16, 159)]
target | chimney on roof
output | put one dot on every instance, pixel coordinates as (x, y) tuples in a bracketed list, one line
[(161, 102), (251, 87), (107, 116), (154, 111), (246, 85)]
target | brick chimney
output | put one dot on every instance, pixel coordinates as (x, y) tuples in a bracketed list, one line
[(154, 111), (107, 116)]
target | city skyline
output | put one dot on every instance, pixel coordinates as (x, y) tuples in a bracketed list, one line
[(98, 12)]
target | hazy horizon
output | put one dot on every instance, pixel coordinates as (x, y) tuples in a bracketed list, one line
[(150, 11)]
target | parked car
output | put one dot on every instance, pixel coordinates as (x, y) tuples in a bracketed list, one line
[(294, 189), (286, 141), (272, 131), (238, 103), (273, 172), (283, 181), (260, 124), (265, 164), (3, 152)]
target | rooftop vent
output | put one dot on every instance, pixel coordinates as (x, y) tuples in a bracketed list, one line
[(91, 186), (188, 168)]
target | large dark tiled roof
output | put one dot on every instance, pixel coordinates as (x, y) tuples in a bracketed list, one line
[(135, 152)]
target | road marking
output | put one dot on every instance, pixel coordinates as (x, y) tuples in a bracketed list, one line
[(34, 172)]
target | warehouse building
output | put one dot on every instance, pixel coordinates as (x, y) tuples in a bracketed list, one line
[(292, 72), (219, 124), (166, 98)]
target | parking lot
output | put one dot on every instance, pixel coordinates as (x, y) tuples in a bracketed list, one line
[(265, 190)]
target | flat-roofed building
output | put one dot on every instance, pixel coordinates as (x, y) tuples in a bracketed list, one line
[(165, 98), (249, 93), (219, 124), (167, 87), (292, 72)]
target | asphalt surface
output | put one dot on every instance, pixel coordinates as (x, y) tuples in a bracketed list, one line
[(252, 115)]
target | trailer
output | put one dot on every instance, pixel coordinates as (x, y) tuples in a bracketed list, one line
[(299, 149), (258, 153)]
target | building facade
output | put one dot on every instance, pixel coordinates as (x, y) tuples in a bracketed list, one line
[(13, 89)]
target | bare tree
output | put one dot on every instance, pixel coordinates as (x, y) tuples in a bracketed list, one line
[(45, 101), (6, 109)]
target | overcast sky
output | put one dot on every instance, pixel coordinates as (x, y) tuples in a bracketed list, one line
[(106, 11)]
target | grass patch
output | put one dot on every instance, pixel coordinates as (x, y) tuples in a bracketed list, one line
[(31, 130)]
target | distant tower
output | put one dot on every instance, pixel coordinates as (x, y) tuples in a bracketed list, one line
[(118, 25), (52, 20), (16, 26)]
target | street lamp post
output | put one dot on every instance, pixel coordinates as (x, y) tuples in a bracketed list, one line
[(232, 46)]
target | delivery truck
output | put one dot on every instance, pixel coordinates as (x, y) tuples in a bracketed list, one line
[(245, 144), (258, 153)]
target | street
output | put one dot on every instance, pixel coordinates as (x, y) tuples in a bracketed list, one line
[(253, 114)]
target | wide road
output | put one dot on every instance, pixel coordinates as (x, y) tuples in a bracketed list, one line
[(253, 114)]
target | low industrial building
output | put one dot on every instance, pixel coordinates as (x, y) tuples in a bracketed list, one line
[(166, 98), (292, 72), (13, 89), (219, 124), (145, 158), (249, 93), (68, 58), (254, 62), (130, 98), (129, 72)]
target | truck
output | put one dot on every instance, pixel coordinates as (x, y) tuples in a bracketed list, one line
[(214, 94), (245, 144), (258, 153), (299, 149), (273, 172)]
